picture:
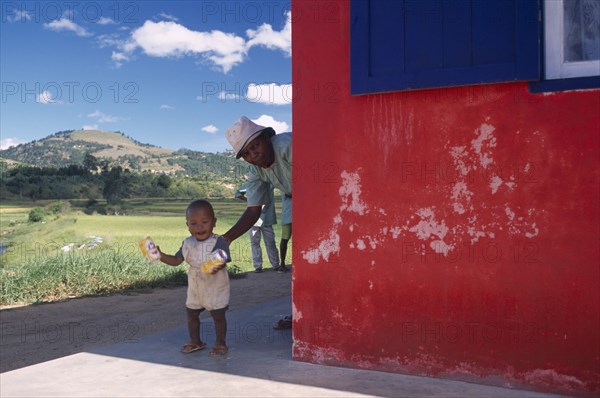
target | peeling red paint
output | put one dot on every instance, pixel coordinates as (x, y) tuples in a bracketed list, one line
[(450, 232)]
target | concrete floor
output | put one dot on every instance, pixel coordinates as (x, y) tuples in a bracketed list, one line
[(259, 364)]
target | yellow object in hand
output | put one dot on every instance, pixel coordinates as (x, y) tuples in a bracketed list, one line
[(215, 260), (149, 250)]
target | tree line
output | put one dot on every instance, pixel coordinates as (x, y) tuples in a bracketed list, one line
[(94, 179)]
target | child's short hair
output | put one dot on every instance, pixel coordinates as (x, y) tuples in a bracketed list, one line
[(200, 204)]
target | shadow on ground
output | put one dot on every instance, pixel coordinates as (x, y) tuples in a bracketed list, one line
[(259, 364)]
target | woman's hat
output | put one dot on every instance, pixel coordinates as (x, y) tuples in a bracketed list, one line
[(243, 132)]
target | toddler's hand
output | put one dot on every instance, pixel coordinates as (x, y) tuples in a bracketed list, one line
[(216, 269)]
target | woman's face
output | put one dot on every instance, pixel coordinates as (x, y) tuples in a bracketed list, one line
[(259, 152)]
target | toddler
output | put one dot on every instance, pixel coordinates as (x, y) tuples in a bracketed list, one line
[(205, 291)]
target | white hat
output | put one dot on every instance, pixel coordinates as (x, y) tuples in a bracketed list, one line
[(242, 132)]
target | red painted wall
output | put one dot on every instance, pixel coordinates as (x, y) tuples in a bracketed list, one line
[(452, 232)]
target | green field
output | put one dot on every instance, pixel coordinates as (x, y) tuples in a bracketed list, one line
[(79, 252)]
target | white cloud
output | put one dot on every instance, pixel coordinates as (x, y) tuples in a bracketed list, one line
[(170, 17), (270, 94), (224, 50), (90, 127), (19, 16), (267, 37), (110, 40), (68, 25), (9, 142), (103, 117), (105, 21), (269, 121), (165, 106), (169, 39), (224, 95), (119, 58), (46, 98), (211, 129)]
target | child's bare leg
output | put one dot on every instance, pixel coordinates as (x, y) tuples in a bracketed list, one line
[(220, 347), (220, 326), (193, 321)]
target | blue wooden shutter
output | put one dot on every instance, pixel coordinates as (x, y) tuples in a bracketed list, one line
[(414, 44)]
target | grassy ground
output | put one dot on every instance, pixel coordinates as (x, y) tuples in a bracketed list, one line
[(103, 254)]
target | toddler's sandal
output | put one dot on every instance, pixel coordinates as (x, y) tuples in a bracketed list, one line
[(219, 350), (191, 347)]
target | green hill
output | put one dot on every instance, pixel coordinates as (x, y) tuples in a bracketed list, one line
[(115, 148), (59, 167)]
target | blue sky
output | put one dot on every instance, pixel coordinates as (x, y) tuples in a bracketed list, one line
[(175, 74)]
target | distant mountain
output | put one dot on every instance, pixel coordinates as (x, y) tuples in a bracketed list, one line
[(70, 147)]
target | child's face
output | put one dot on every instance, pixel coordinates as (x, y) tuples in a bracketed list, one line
[(259, 152), (200, 222)]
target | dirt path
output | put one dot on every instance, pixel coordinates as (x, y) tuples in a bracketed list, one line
[(39, 333)]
